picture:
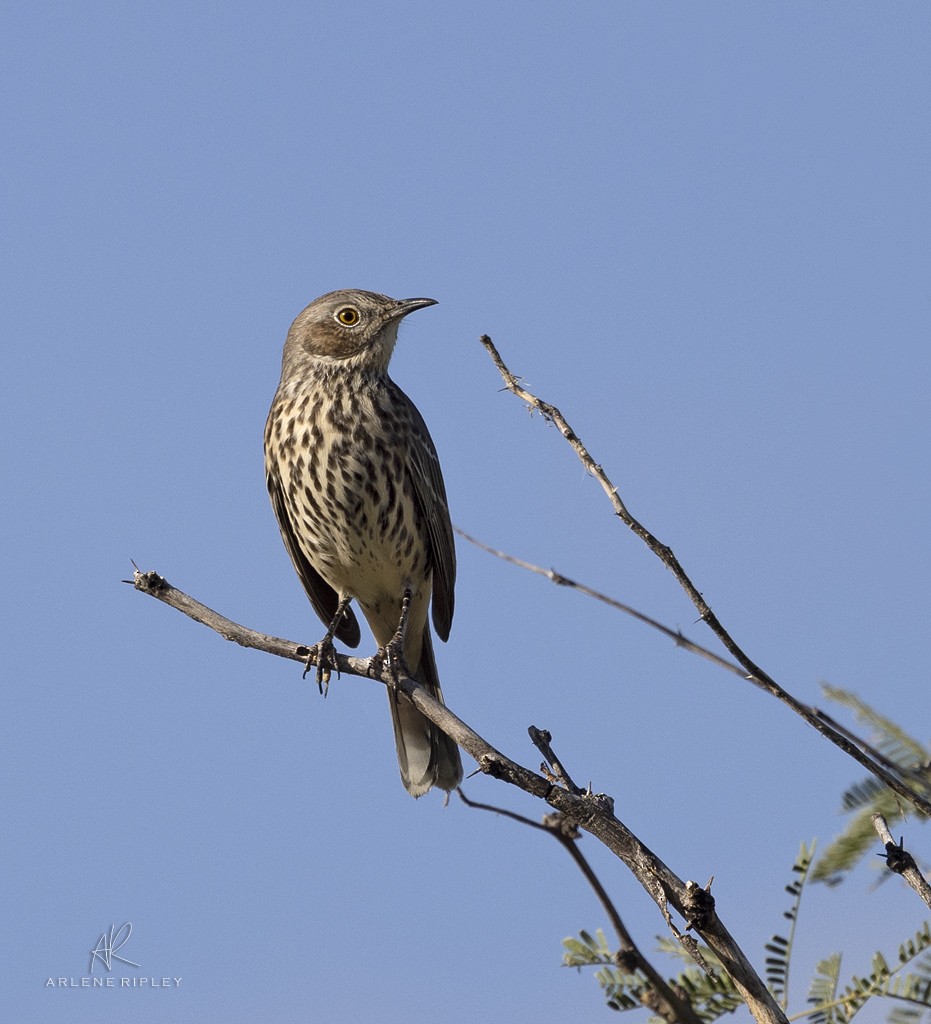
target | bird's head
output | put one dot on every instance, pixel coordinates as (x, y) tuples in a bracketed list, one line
[(349, 327)]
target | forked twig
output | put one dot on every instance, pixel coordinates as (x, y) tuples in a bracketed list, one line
[(560, 580), (677, 636), (753, 673), (593, 812), (664, 1001)]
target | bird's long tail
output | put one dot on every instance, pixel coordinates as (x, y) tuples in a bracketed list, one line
[(427, 757)]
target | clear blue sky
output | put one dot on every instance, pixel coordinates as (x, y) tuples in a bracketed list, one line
[(701, 230)]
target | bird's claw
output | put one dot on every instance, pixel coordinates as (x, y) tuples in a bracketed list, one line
[(323, 656), (390, 657)]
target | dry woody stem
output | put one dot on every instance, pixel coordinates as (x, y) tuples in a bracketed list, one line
[(590, 811), (753, 673), (676, 635), (663, 1000)]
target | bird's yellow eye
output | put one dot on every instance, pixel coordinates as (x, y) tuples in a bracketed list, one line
[(348, 316)]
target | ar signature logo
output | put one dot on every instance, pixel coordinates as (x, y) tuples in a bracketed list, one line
[(107, 945)]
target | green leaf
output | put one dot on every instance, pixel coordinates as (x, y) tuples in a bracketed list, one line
[(888, 737), (823, 990), (777, 964)]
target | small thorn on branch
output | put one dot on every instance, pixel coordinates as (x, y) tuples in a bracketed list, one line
[(900, 861)]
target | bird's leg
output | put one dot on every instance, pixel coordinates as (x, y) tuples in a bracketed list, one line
[(323, 654), (392, 654)]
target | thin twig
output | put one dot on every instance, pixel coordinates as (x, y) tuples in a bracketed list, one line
[(541, 739), (560, 580), (681, 641), (877, 755), (666, 1004), (593, 812), (754, 673)]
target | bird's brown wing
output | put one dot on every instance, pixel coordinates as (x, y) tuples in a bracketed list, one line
[(322, 596), (430, 491)]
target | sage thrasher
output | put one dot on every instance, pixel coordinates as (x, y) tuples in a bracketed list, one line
[(356, 486)]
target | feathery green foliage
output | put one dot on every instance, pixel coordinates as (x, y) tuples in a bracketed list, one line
[(779, 948), (823, 990), (622, 989), (912, 991), (713, 995)]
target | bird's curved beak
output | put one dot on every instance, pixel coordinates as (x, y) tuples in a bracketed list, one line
[(406, 306)]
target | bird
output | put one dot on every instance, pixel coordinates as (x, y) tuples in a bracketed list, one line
[(356, 486)]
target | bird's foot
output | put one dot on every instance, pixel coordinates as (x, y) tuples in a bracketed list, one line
[(323, 656), (390, 657)]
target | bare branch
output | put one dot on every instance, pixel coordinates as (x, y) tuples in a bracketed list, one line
[(592, 812), (560, 580), (877, 755), (900, 861), (663, 1001), (158, 587), (682, 641), (753, 673), (564, 581)]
